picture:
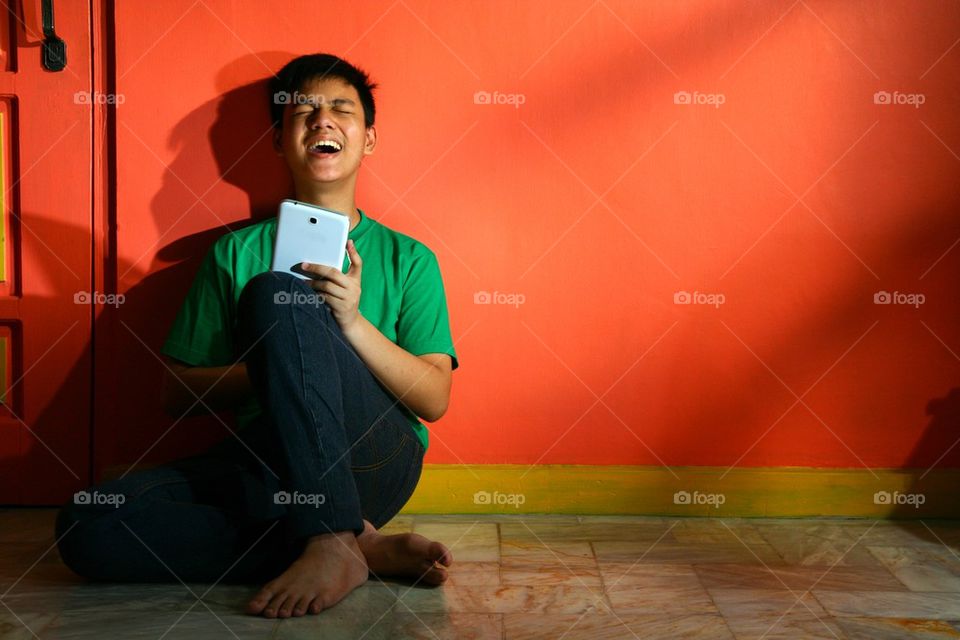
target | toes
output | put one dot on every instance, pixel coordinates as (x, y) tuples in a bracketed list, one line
[(256, 605), (274, 607), (441, 554), (287, 607), (435, 575), (302, 605), (317, 605), (431, 573)]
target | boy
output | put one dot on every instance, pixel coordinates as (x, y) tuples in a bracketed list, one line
[(327, 390)]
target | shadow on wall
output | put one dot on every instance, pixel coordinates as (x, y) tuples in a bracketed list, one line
[(937, 446), (234, 132)]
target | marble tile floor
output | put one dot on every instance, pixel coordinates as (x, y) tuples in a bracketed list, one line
[(541, 576)]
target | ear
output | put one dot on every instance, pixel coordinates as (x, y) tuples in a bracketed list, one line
[(370, 142), (278, 141)]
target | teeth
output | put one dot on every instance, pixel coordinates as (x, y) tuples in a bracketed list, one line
[(333, 144)]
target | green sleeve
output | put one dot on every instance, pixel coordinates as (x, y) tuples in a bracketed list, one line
[(202, 332), (423, 324)]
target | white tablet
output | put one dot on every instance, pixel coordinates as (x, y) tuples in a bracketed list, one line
[(308, 233)]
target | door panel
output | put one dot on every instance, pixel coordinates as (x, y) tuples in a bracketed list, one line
[(45, 258)]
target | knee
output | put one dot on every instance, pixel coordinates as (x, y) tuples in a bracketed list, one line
[(269, 287), (80, 540), (269, 294), (89, 535)]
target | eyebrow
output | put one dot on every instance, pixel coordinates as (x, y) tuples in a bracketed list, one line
[(335, 102)]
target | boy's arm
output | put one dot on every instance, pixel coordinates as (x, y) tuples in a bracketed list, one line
[(225, 387), (421, 383)]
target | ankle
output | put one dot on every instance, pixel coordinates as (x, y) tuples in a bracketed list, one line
[(348, 538), (369, 532)]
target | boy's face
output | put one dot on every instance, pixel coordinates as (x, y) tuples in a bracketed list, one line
[(330, 109)]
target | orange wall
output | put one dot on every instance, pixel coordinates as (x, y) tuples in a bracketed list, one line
[(597, 199)]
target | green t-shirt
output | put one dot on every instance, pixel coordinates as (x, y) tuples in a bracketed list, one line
[(402, 295)]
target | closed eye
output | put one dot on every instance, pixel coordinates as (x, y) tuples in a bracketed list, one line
[(304, 112)]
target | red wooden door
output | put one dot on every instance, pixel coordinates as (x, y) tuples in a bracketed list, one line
[(45, 256)]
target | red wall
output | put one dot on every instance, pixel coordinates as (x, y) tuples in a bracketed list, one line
[(596, 199)]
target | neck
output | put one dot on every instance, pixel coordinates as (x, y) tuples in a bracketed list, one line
[(341, 201)]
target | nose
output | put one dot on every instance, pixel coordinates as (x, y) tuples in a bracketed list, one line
[(320, 117)]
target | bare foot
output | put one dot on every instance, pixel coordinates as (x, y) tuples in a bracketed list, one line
[(331, 566), (404, 554)]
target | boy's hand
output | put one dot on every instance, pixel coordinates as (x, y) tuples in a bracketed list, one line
[(341, 291)]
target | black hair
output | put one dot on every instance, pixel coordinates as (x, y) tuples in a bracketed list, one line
[(296, 73)]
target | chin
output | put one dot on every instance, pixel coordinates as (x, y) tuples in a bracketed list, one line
[(327, 176), (322, 173)]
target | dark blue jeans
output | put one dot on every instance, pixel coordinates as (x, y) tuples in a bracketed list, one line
[(333, 448)]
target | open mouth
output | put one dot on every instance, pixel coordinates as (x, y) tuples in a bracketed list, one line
[(324, 148)]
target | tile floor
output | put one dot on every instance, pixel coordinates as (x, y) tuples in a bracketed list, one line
[(523, 576)]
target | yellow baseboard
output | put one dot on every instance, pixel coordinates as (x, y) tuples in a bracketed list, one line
[(687, 491)]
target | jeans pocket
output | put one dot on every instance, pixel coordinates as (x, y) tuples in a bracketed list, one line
[(406, 477), (384, 461), (378, 447)]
